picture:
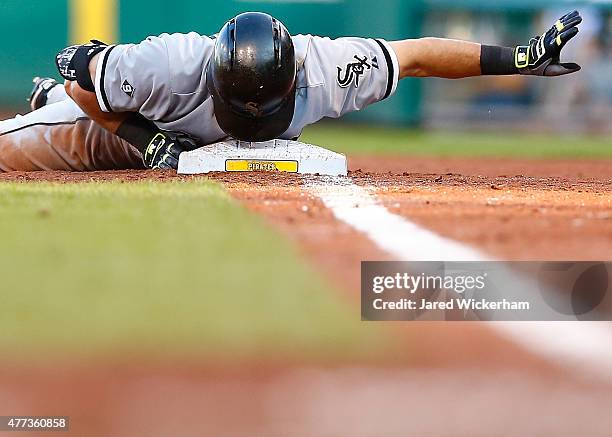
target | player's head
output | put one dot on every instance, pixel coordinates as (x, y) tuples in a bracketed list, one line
[(252, 77)]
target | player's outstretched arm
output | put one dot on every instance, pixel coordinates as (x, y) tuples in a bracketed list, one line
[(452, 59), (437, 57)]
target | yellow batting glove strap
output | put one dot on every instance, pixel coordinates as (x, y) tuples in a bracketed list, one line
[(521, 57)]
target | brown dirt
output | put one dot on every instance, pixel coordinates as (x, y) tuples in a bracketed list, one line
[(490, 167), (455, 379), (535, 217), (122, 400), (513, 224), (92, 176)]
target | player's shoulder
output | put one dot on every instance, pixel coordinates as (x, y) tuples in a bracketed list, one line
[(304, 43), (301, 43), (309, 67), (180, 40)]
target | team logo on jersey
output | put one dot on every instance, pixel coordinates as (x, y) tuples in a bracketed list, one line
[(127, 88), (354, 70)]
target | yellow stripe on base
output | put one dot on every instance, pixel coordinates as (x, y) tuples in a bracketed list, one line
[(559, 25), (261, 165), (93, 19)]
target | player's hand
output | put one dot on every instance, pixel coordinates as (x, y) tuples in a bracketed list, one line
[(541, 56), (163, 152)]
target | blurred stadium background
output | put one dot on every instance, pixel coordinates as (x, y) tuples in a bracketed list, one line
[(580, 104)]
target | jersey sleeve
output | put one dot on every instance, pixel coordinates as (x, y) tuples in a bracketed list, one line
[(352, 73), (134, 78)]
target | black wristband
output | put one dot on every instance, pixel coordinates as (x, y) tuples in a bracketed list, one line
[(73, 63), (495, 60), (138, 131)]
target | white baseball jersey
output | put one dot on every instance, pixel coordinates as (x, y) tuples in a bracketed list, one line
[(164, 78)]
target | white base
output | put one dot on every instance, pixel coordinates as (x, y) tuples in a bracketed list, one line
[(275, 155)]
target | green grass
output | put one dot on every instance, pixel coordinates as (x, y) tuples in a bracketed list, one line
[(357, 139), (164, 269)]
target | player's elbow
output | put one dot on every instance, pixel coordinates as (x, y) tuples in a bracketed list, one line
[(410, 57), (86, 100), (68, 88), (74, 91), (415, 70)]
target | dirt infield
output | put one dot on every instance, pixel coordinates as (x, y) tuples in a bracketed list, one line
[(479, 381), (351, 401)]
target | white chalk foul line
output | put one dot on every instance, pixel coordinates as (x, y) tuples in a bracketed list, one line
[(405, 240), (581, 345)]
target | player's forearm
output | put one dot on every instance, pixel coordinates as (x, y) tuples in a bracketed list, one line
[(437, 57), (88, 102)]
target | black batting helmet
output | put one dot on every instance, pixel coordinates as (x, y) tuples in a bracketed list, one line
[(252, 77)]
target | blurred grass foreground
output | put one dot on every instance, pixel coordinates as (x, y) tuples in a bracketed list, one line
[(162, 269)]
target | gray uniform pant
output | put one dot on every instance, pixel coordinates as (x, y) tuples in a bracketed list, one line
[(59, 136)]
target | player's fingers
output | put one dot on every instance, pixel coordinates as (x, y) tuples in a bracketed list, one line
[(560, 23), (569, 21), (565, 36), (175, 150), (562, 69), (568, 16), (170, 161), (573, 22), (571, 16)]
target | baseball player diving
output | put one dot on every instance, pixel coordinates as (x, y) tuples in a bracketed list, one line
[(142, 105)]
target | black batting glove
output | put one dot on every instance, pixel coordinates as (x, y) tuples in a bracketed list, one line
[(541, 56), (163, 152)]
